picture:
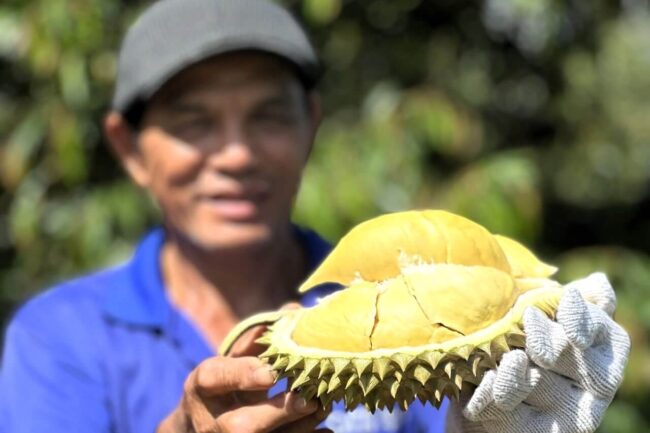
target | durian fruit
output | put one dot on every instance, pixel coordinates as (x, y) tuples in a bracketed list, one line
[(431, 300)]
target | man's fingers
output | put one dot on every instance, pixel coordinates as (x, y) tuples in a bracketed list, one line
[(223, 375), (514, 380), (307, 424), (280, 411), (246, 344), (477, 408), (290, 306), (545, 339), (596, 289)]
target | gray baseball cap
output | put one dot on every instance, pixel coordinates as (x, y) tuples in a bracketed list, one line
[(174, 34)]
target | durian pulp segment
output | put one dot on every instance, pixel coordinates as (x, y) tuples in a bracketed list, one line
[(342, 321), (376, 249), (400, 320), (523, 263), (384, 377), (426, 304), (463, 299)]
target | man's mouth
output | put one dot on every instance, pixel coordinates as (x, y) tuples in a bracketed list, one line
[(234, 206)]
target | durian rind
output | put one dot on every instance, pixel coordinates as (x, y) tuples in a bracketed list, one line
[(383, 378)]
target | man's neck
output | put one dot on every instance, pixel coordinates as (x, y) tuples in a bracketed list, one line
[(215, 289)]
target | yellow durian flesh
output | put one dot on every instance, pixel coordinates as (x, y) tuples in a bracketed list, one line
[(400, 321), (342, 321), (377, 249), (428, 304), (523, 263), (464, 299)]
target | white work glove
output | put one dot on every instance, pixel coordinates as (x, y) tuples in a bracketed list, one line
[(564, 381)]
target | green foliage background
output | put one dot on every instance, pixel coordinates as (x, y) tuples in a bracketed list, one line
[(529, 116)]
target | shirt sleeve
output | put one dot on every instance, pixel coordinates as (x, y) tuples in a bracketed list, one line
[(45, 386)]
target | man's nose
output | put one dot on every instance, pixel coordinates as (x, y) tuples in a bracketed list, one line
[(234, 154)]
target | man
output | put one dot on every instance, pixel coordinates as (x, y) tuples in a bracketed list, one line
[(214, 115)]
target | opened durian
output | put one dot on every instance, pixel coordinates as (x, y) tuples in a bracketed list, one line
[(431, 300)]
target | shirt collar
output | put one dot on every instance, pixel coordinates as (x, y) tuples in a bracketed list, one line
[(139, 298)]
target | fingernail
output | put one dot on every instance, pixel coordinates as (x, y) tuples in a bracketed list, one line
[(264, 375), (302, 405), (321, 415)]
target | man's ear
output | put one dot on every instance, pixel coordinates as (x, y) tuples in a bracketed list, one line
[(123, 141), (315, 110), (315, 114)]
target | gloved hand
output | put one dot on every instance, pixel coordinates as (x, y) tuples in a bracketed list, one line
[(564, 380)]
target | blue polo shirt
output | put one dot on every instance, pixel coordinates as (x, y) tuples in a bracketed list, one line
[(108, 352)]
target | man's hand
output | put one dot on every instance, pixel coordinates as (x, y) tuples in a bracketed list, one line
[(229, 395), (567, 377)]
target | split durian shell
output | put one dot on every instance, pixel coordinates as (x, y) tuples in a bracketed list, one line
[(430, 301)]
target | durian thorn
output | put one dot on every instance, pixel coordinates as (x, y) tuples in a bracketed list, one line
[(474, 362), (500, 344), (353, 380), (382, 367), (333, 384), (402, 360), (308, 392), (464, 351), (361, 365), (485, 347), (516, 340), (352, 397), (368, 383), (421, 374), (310, 365), (243, 326), (326, 367), (515, 329), (294, 362), (432, 358), (322, 388), (280, 363), (449, 388), (327, 399), (458, 381), (394, 388), (300, 380), (264, 340), (435, 402), (449, 369), (269, 352), (371, 406), (340, 364), (411, 387)]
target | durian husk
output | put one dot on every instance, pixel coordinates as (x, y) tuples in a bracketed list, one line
[(441, 297), (390, 377)]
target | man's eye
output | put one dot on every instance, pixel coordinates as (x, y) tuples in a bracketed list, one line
[(192, 127), (273, 118)]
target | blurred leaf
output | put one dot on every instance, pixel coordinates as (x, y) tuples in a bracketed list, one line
[(321, 11), (501, 192)]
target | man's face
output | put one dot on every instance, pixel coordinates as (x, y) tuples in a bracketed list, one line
[(223, 146)]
